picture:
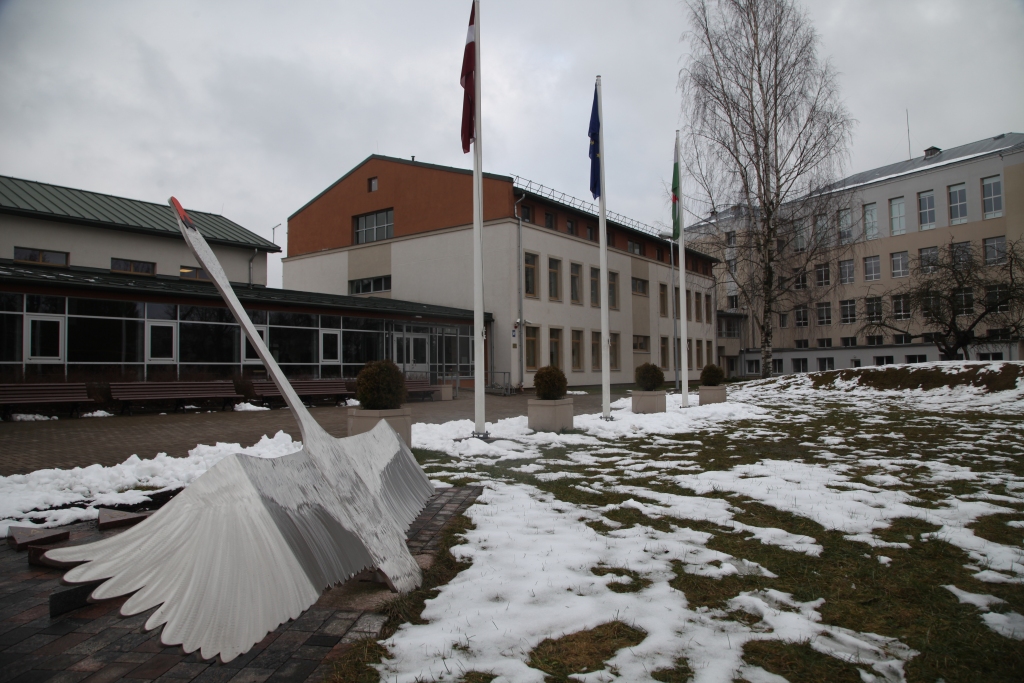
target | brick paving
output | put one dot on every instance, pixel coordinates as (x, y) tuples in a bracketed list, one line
[(94, 644)]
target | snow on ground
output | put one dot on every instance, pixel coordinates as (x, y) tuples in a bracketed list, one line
[(245, 407), (55, 497), (98, 413), (26, 417)]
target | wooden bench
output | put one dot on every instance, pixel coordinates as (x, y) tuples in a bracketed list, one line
[(340, 389), (28, 393), (421, 389), (179, 392)]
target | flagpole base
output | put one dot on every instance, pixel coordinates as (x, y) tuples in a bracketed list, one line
[(483, 436)]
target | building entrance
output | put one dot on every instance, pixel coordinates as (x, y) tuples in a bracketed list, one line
[(410, 353)]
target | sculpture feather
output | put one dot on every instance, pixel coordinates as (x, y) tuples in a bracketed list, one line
[(253, 542)]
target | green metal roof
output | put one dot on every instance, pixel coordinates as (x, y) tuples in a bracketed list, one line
[(86, 280), (66, 204)]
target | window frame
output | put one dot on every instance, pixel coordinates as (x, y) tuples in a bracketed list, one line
[(131, 263), (995, 250), (897, 221), (847, 272), (613, 290), (644, 286), (870, 218), (359, 233), (576, 277), (595, 287), (554, 276), (555, 340), (848, 312), (148, 342), (992, 204), (26, 343), (576, 350), (663, 299), (904, 270), (531, 337), (613, 351), (530, 272), (957, 204), (40, 261), (926, 210), (823, 313)]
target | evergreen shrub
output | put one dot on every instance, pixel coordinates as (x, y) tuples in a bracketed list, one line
[(711, 375), (380, 386), (649, 377), (550, 383)]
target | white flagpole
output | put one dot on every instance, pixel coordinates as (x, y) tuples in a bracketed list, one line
[(683, 355), (675, 300), (478, 227), (606, 342)]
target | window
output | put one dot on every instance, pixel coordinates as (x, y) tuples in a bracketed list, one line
[(799, 279), (961, 252), (555, 279), (530, 275), (783, 320), (928, 259), (931, 306), (733, 301), (613, 351), (41, 256), (848, 311), (872, 268), (555, 347), (192, 273), (846, 276), (799, 365), (995, 250), (926, 210), (371, 184), (901, 307), (374, 227), (998, 355), (591, 233), (777, 368), (873, 309), (900, 264), (730, 239), (998, 334), (527, 214), (800, 315), (992, 196), (824, 313), (963, 301), (575, 283), (641, 343), (613, 290), (570, 226), (897, 216), (696, 306), (675, 305), (700, 354), (875, 340), (329, 347), (902, 339), (730, 264), (848, 341), (957, 204), (883, 360), (689, 354), (825, 364), (663, 300), (595, 286), (664, 353), (730, 329), (635, 247), (870, 221), (801, 343), (822, 277), (160, 342), (708, 315), (997, 298), (369, 285), (799, 240), (595, 350), (822, 234), (549, 220), (753, 367), (825, 343), (917, 359), (639, 286), (120, 265), (845, 226), (530, 342), (577, 350), (660, 253)]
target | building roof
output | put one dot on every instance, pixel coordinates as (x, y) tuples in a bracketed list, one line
[(993, 145), (97, 280), (53, 202)]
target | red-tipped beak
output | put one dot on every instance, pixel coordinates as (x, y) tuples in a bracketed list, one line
[(181, 213)]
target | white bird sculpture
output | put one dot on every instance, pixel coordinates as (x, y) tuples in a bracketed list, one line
[(253, 542)]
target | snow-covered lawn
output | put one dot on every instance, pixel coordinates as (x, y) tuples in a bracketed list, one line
[(792, 533)]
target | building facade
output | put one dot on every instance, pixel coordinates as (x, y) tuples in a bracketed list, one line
[(399, 228), (969, 195)]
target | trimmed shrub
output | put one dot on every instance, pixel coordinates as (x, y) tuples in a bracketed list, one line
[(550, 383), (380, 386), (649, 377), (711, 375)]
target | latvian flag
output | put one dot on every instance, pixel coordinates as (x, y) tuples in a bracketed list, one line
[(468, 82)]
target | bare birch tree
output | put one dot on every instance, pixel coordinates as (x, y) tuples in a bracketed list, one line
[(766, 136)]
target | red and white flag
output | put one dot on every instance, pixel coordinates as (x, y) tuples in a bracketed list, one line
[(468, 81)]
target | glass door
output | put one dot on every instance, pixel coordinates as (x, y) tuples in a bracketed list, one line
[(330, 347), (161, 342), (44, 339), (411, 353)]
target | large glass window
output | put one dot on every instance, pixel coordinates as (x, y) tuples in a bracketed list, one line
[(901, 307), (203, 343), (957, 204), (555, 347), (613, 351), (595, 286), (848, 311), (595, 350), (995, 250), (374, 227), (293, 319), (11, 336), (359, 348), (926, 210), (900, 264), (613, 290), (822, 276), (800, 316), (44, 339), (161, 342), (873, 309), (530, 342), (963, 301), (825, 313), (206, 314), (897, 216), (555, 279), (846, 274), (872, 268), (530, 275), (577, 350), (106, 308), (663, 300), (35, 303), (575, 284), (992, 196), (293, 345), (105, 340), (368, 285), (928, 258)]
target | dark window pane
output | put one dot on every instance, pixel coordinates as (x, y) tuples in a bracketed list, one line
[(293, 319), (332, 322), (104, 341), (199, 343), (362, 347), (363, 324), (44, 304), (105, 307), (257, 317), (250, 350), (330, 351), (288, 345), (44, 339), (12, 302), (10, 338), (207, 314), (161, 342), (162, 311)]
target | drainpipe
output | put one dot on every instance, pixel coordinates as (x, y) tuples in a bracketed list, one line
[(519, 273), (254, 252)]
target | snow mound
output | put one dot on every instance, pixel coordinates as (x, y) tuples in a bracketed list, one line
[(98, 413), (246, 407)]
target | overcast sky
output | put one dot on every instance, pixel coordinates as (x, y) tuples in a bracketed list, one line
[(252, 108)]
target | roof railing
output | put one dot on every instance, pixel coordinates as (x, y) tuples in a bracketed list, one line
[(581, 205)]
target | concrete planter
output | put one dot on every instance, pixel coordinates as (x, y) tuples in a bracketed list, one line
[(444, 393), (712, 395), (549, 416), (648, 401), (360, 421)]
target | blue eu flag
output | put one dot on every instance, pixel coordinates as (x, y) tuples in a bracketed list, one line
[(595, 150)]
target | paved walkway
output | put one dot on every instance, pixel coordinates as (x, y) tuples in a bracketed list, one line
[(94, 644), (66, 443)]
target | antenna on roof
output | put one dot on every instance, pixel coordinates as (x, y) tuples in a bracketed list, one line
[(909, 156)]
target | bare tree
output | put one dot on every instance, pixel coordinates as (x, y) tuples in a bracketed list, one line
[(766, 139), (954, 290)]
